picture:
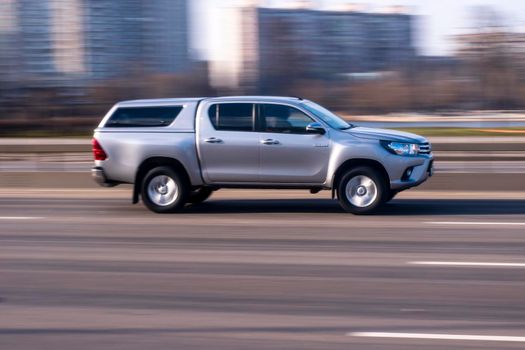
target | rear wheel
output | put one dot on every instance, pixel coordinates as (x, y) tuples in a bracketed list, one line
[(163, 190), (362, 190), (199, 195)]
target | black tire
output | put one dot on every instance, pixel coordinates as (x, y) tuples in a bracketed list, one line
[(374, 195), (152, 185), (391, 194), (199, 195)]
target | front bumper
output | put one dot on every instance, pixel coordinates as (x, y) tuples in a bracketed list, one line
[(98, 174), (420, 173)]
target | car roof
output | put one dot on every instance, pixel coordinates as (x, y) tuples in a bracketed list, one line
[(169, 101), (158, 101), (255, 98)]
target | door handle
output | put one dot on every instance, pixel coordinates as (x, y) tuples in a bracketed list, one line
[(213, 140), (270, 142)]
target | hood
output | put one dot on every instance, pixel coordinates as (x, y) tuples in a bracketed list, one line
[(385, 134)]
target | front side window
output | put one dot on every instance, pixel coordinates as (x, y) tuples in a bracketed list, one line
[(283, 119), (326, 116), (232, 116), (126, 117)]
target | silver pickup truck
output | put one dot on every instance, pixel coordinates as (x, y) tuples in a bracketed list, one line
[(178, 151)]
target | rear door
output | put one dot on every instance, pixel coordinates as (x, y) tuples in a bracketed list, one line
[(228, 144), (288, 153)]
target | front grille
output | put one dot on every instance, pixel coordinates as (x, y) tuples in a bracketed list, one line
[(425, 148)]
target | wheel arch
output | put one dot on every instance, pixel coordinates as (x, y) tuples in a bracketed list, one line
[(357, 162), (151, 163)]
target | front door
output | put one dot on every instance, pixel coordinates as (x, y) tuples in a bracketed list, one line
[(290, 155)]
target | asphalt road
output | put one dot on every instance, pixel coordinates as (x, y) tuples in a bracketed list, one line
[(261, 270)]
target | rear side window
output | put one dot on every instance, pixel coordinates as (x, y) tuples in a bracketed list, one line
[(127, 117), (232, 116)]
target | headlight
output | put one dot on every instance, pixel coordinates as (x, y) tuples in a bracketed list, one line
[(401, 148)]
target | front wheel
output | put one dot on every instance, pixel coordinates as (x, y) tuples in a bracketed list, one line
[(163, 190), (362, 190), (391, 195), (199, 195)]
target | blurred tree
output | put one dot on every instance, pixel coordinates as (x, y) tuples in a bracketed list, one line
[(494, 56)]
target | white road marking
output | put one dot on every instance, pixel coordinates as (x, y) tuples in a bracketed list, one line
[(466, 263), (21, 217), (474, 223), (438, 336), (412, 310)]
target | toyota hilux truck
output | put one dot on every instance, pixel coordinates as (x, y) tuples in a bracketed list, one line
[(178, 151)]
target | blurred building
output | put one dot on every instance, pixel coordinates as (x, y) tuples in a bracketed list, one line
[(35, 39), (306, 43), (141, 37), (45, 46), (168, 30), (54, 42), (8, 41), (67, 30)]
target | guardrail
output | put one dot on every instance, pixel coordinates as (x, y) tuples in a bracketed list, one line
[(45, 154), (445, 148)]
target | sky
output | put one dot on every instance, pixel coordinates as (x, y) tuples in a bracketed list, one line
[(438, 20)]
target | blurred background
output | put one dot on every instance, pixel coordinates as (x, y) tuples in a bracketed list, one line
[(63, 63), (440, 267)]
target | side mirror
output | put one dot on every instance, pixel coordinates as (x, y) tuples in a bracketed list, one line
[(315, 128)]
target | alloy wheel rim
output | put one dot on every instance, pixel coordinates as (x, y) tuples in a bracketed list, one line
[(163, 190), (361, 191)]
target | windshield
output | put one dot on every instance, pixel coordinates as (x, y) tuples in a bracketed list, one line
[(326, 116)]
